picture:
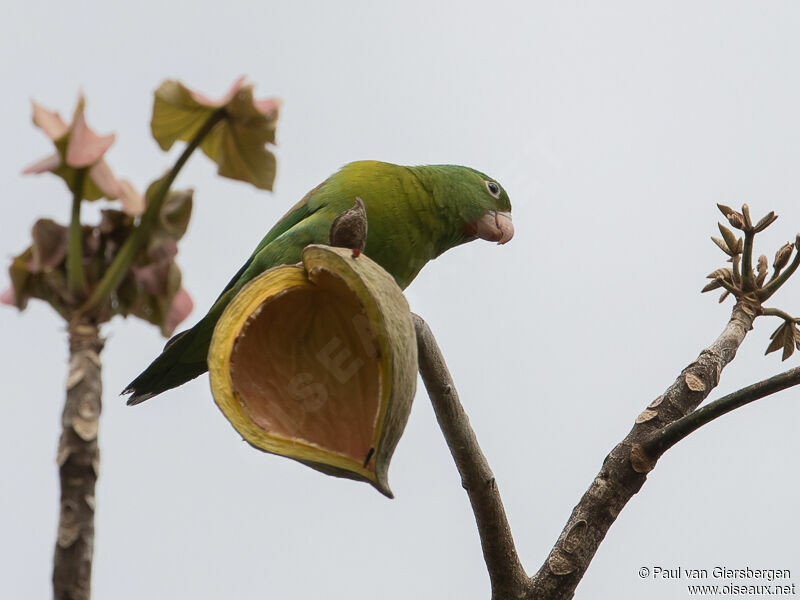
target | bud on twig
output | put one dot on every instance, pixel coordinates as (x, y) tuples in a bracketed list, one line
[(782, 256), (765, 222), (730, 239), (722, 245), (748, 224), (762, 270), (724, 274), (734, 218)]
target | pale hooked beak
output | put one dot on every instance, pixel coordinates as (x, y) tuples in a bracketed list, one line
[(494, 226)]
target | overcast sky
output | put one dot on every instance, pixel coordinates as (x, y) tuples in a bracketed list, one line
[(614, 126)]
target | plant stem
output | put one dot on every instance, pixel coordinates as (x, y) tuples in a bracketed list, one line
[(78, 463), (130, 249), (75, 280)]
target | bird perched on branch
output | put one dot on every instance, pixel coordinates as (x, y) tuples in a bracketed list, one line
[(414, 215)]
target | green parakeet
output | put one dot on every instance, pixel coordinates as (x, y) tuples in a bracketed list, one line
[(414, 214)]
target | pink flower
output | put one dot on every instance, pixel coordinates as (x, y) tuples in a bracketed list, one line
[(78, 147)]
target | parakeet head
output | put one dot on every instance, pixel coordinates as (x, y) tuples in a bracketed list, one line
[(493, 206), (481, 203)]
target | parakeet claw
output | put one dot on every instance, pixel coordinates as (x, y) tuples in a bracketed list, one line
[(494, 226)]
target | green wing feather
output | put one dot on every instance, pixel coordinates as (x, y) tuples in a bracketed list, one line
[(184, 355)]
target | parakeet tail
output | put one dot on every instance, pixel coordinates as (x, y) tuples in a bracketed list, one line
[(176, 365)]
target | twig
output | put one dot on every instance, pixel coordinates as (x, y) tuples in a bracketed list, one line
[(78, 458), (625, 469), (662, 440), (777, 312), (508, 578), (748, 280)]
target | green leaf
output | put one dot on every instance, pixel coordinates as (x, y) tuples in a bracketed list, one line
[(176, 114), (237, 144)]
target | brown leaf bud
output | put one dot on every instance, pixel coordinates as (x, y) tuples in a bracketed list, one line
[(765, 222), (729, 237), (748, 223), (782, 256), (725, 210), (724, 274), (722, 245), (762, 270), (736, 220)]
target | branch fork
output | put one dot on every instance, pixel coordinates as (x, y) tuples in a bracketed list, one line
[(671, 417)]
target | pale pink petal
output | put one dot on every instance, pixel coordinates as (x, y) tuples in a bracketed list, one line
[(10, 298), (85, 146), (104, 179), (268, 107), (181, 306), (132, 201), (48, 121), (50, 163), (206, 101)]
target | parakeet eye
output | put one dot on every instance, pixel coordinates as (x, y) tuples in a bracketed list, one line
[(493, 188)]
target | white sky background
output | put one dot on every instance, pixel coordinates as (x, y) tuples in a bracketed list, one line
[(614, 126)]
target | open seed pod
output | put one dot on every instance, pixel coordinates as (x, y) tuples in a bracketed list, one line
[(318, 362)]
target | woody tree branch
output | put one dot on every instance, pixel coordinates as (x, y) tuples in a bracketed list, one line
[(673, 415), (78, 461), (508, 578), (664, 422), (625, 469)]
